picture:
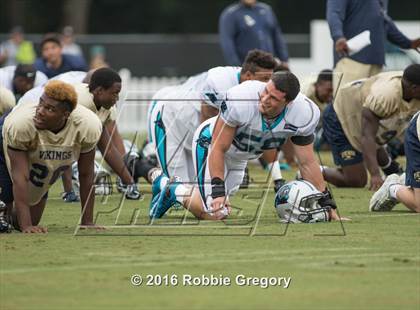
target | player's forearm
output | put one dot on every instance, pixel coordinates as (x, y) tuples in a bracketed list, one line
[(310, 171), (116, 139), (369, 155), (20, 192), (115, 161), (87, 197), (217, 163)]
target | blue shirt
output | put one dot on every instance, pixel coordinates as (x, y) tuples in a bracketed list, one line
[(243, 28), (69, 63), (347, 18)]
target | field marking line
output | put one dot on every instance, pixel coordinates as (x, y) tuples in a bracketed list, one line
[(198, 262)]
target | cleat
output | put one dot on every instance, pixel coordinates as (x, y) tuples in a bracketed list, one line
[(402, 179), (381, 201), (164, 200), (155, 189), (5, 226)]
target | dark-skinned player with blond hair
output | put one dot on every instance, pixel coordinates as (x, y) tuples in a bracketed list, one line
[(40, 140)]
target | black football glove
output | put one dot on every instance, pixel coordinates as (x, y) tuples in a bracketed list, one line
[(132, 192), (327, 200)]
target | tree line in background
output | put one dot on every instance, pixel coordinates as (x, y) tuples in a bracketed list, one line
[(160, 16)]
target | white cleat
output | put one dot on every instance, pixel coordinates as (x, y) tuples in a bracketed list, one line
[(402, 179), (381, 200)]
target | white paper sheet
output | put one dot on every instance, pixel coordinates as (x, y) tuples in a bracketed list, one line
[(359, 42)]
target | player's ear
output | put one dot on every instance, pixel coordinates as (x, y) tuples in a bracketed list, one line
[(67, 114)]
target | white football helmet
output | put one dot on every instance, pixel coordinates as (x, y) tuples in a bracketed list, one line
[(297, 202), (103, 181)]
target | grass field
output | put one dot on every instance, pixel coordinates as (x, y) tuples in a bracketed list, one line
[(372, 262)]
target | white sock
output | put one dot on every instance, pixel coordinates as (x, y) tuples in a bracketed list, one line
[(181, 191), (393, 189), (154, 173), (275, 171)]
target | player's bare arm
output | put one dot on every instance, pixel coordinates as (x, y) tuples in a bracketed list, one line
[(370, 125), (20, 178), (116, 138), (86, 179), (221, 141), (113, 157), (309, 166)]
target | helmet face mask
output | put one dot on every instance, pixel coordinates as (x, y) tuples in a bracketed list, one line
[(297, 202)]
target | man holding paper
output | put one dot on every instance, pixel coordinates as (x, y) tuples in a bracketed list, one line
[(359, 29)]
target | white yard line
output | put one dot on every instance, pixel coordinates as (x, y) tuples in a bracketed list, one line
[(184, 260)]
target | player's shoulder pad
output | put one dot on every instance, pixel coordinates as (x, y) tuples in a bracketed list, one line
[(87, 123), (7, 99), (19, 124), (302, 114)]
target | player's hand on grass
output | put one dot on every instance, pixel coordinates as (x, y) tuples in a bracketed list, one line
[(341, 47), (35, 230), (376, 181), (334, 216), (220, 207)]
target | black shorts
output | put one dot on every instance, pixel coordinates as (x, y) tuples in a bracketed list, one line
[(343, 152), (6, 185), (412, 152)]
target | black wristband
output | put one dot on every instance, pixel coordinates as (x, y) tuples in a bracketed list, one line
[(217, 188), (327, 200)]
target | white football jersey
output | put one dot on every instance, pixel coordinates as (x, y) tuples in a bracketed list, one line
[(254, 133), (32, 95), (7, 74), (71, 77), (211, 86)]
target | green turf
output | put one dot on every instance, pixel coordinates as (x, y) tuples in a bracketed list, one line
[(373, 264)]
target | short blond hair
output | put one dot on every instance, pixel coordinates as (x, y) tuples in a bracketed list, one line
[(62, 92)]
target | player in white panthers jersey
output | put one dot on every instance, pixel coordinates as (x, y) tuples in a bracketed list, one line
[(71, 77), (39, 141), (255, 117), (198, 99)]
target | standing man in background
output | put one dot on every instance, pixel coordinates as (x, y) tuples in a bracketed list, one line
[(248, 25), (347, 18), (53, 62)]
